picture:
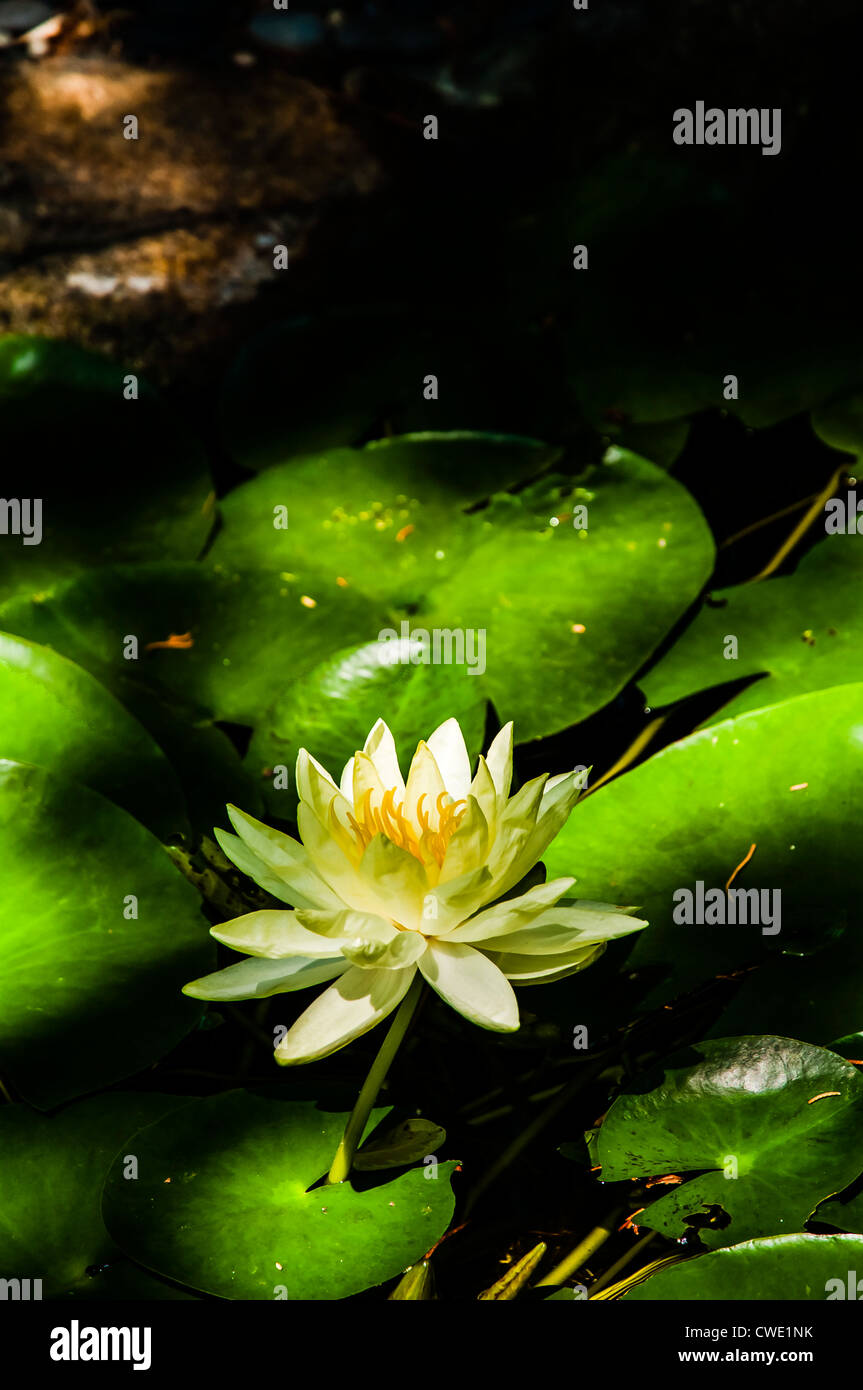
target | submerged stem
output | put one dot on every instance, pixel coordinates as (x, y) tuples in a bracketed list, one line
[(343, 1161), (802, 526), (530, 1132), (583, 1251)]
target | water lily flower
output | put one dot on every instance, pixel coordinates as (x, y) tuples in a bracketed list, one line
[(396, 877)]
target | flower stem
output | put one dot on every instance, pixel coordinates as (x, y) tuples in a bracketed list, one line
[(583, 1251), (802, 526), (344, 1158)]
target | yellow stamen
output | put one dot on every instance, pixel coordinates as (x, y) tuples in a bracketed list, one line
[(389, 818)]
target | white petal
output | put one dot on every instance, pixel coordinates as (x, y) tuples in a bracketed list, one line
[(283, 857), (258, 979), (544, 970), (448, 904), (521, 810), (349, 1008), (553, 812), (512, 914), (516, 824), (366, 780), (275, 935), (317, 788), (424, 781), (396, 880), (566, 788), (499, 761), (482, 788), (333, 865), (570, 926), (470, 983), (364, 939), (468, 847), (448, 748), (373, 953), (254, 868), (381, 748), (346, 785)]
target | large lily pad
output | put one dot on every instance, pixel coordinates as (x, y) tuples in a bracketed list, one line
[(786, 779), (558, 606), (331, 709), (550, 610), (51, 1172), (388, 519), (223, 1204), (774, 383), (778, 1125), (801, 632), (204, 761), (798, 1267), (88, 994), (140, 487), (562, 607), (54, 713), (251, 631)]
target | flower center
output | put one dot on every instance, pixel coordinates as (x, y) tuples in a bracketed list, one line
[(425, 843)]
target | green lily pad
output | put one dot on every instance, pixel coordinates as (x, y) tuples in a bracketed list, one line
[(774, 384), (251, 632), (554, 610), (88, 994), (516, 589), (840, 423), (785, 779), (332, 708), (845, 1212), (412, 1140), (54, 713), (566, 625), (799, 1267), (801, 632), (51, 1172), (139, 490), (204, 759), (237, 1218), (778, 1124), (850, 1046), (387, 519)]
